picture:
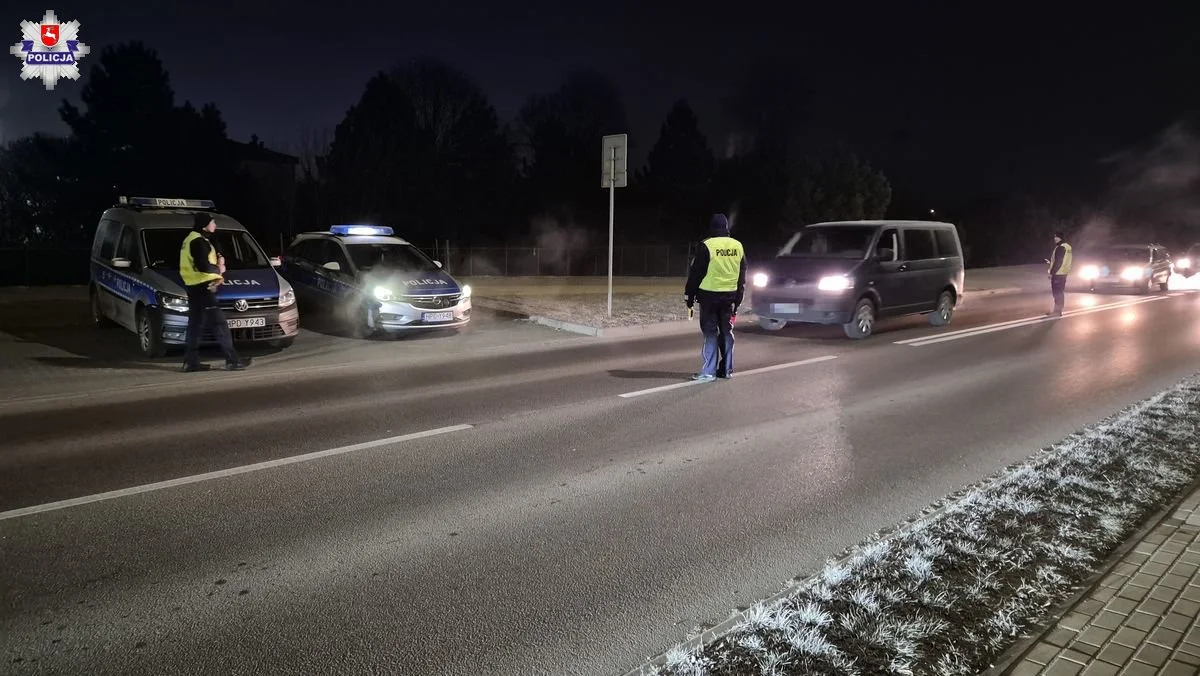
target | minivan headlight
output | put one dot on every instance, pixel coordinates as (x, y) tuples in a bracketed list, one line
[(173, 303), (834, 283), (1132, 273), (760, 279), (287, 298)]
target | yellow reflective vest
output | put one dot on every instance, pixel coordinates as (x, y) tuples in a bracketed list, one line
[(725, 256), (1065, 268), (187, 267)]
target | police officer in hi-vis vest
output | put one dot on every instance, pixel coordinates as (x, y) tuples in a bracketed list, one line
[(718, 280), (202, 272), (1060, 267)]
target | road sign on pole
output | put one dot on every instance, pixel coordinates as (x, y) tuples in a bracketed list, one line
[(614, 174)]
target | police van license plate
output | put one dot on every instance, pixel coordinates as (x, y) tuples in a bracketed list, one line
[(247, 322), (438, 317)]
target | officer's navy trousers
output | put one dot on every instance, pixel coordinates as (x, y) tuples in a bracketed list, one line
[(204, 313)]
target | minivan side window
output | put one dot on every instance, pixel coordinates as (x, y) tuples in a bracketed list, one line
[(918, 245), (108, 240), (890, 239), (947, 246)]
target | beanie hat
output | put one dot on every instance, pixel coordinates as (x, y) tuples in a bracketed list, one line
[(201, 220), (719, 224), (1059, 234)]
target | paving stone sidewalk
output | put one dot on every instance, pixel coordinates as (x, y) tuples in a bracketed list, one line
[(1143, 618)]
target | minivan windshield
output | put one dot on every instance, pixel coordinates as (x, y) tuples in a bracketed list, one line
[(405, 257), (831, 241), (1125, 254), (239, 248)]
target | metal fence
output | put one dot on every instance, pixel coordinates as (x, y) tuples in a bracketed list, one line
[(55, 266)]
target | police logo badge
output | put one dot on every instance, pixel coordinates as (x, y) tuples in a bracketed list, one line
[(50, 50)]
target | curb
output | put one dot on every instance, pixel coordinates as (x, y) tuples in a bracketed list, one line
[(1017, 652)]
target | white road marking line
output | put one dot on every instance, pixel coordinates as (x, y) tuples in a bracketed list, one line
[(219, 474), (738, 374), (1025, 320), (1028, 322)]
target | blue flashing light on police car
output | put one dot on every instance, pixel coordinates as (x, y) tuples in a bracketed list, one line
[(374, 281), (366, 230)]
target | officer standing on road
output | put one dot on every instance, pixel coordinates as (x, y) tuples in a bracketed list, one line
[(202, 272), (718, 280), (1060, 267)]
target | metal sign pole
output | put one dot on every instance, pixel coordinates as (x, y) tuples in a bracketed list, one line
[(612, 191)]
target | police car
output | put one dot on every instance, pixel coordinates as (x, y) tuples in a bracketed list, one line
[(376, 281), (135, 280)]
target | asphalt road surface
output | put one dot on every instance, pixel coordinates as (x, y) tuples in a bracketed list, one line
[(566, 510)]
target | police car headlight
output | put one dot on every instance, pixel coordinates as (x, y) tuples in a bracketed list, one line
[(835, 283), (759, 279), (383, 293), (173, 303), (287, 298), (466, 291)]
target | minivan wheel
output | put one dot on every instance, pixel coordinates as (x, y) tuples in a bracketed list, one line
[(945, 310), (149, 329), (98, 317), (771, 324), (863, 322)]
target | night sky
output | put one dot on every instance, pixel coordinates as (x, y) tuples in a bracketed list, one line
[(948, 102)]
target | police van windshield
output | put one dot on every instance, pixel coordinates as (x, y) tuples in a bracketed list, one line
[(239, 248), (368, 256), (839, 241)]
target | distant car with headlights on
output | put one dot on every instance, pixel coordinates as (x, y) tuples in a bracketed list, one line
[(852, 273), (1189, 263), (377, 282), (1129, 267)]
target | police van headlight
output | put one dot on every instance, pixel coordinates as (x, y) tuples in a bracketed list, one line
[(173, 303), (287, 298), (383, 293)]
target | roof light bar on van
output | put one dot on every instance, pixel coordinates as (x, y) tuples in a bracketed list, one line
[(166, 203), (380, 230)]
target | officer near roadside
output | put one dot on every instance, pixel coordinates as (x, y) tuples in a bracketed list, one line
[(1060, 267), (718, 280), (202, 270)]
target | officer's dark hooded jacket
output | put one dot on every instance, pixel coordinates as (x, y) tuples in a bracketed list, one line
[(201, 246), (719, 227)]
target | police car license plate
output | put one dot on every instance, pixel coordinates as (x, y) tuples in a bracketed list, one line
[(786, 308), (247, 322), (438, 317)]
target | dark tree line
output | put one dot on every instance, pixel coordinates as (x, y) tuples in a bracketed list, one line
[(425, 151)]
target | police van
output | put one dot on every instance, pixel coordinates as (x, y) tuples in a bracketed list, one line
[(135, 281), (375, 281)]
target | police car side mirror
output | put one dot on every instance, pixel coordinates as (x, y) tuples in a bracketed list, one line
[(332, 266), (122, 263), (438, 263)]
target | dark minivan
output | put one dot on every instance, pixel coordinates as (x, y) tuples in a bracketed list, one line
[(855, 272)]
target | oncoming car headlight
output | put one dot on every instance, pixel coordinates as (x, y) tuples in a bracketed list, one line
[(383, 293), (759, 279), (173, 303), (1183, 263), (1132, 273), (1089, 272), (834, 283)]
